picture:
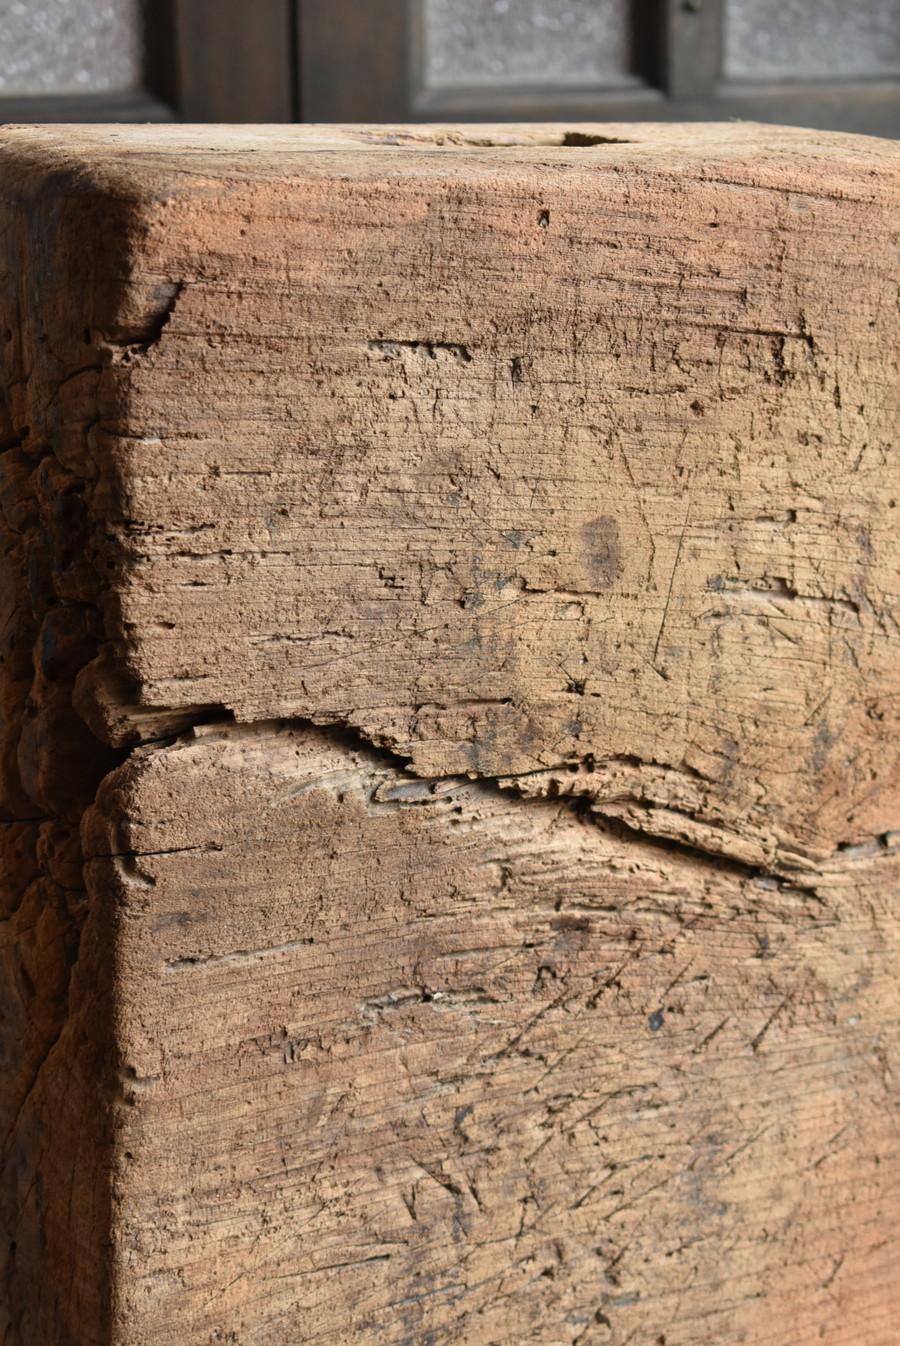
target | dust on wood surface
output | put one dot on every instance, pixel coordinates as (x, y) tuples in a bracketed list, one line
[(557, 464)]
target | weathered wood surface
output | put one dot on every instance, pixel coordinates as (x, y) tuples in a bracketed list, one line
[(565, 475), (503, 458), (406, 1063)]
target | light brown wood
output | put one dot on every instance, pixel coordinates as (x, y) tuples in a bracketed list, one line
[(449, 703)]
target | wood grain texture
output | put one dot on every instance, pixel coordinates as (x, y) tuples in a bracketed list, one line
[(409, 1062), (448, 701)]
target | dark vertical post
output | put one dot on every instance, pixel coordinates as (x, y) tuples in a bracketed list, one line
[(353, 60), (234, 60), (692, 47)]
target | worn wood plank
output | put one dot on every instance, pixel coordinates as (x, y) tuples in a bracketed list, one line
[(558, 466)]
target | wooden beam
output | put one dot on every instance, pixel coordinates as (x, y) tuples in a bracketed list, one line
[(692, 47), (354, 60), (235, 60)]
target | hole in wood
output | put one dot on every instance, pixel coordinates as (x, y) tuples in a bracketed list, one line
[(452, 138)]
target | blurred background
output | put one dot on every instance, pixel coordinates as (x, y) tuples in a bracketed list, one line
[(822, 63)]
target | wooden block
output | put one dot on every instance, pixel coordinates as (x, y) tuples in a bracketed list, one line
[(447, 736)]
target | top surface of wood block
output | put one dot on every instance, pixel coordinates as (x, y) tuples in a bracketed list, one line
[(559, 453), (132, 156)]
